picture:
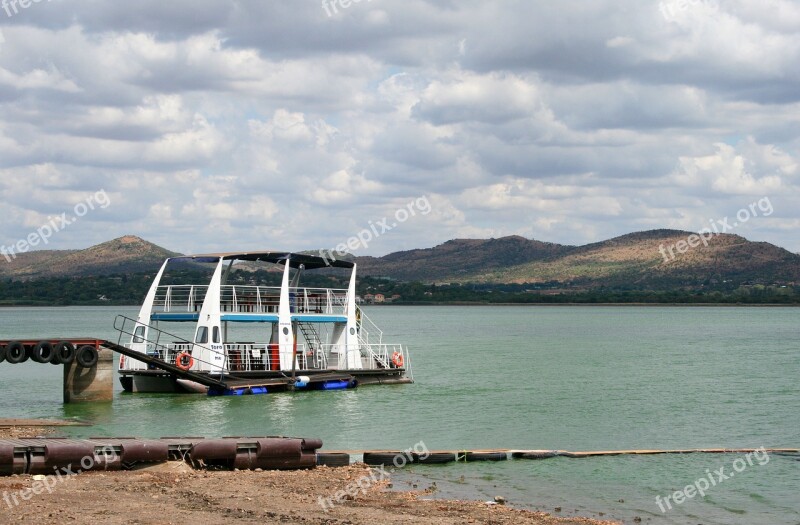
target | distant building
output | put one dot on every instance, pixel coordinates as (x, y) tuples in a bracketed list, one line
[(369, 298), (380, 298)]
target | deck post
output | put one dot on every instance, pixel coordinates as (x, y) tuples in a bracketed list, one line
[(90, 384)]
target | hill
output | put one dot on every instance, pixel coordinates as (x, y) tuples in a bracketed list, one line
[(125, 255), (460, 259), (636, 261), (642, 260)]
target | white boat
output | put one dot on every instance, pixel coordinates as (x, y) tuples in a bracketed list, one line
[(305, 337)]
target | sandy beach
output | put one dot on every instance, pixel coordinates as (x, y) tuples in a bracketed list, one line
[(175, 493)]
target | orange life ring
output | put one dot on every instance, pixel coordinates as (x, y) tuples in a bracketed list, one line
[(181, 361), (397, 359)]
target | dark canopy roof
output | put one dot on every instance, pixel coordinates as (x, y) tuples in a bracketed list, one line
[(310, 262)]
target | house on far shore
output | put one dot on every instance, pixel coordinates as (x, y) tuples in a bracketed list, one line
[(380, 298), (369, 298)]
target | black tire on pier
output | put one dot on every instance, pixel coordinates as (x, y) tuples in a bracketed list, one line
[(2, 353), (16, 353), (86, 356), (64, 353), (333, 459), (42, 352)]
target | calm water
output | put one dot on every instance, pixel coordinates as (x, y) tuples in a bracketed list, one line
[(575, 378)]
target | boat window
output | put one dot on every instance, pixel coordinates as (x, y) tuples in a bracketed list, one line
[(202, 335), (215, 337), (138, 334)]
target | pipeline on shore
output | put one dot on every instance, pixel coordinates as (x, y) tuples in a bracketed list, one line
[(49, 455)]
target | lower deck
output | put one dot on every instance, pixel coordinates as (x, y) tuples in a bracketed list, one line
[(160, 381)]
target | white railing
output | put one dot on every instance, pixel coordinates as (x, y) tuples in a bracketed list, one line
[(251, 299), (242, 357), (318, 301), (373, 356), (367, 329), (252, 357), (179, 298)]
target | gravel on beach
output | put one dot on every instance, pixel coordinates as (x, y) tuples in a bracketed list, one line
[(175, 493)]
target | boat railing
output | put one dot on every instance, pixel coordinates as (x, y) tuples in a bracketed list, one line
[(250, 299), (367, 329), (248, 356), (159, 343), (179, 298), (266, 299), (373, 357), (318, 300)]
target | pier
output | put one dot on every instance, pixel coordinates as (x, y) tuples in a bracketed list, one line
[(89, 370), (88, 364)]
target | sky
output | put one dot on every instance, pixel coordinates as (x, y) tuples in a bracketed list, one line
[(240, 125)]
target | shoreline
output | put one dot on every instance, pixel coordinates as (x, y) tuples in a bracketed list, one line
[(173, 492), (466, 303)]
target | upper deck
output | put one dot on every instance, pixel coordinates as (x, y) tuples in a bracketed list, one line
[(250, 303)]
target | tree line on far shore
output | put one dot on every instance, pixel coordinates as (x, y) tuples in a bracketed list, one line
[(130, 289)]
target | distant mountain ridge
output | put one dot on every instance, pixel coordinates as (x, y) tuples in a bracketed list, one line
[(125, 255), (632, 261), (638, 260), (460, 258)]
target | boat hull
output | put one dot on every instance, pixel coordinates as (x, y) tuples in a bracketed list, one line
[(157, 381)]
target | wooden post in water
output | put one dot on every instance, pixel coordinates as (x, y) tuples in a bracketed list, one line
[(90, 384)]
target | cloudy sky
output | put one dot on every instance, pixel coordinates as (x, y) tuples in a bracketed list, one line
[(295, 124)]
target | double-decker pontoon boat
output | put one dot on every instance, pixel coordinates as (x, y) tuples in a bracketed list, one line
[(294, 336)]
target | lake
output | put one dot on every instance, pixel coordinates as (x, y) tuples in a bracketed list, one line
[(575, 378)]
